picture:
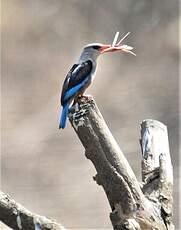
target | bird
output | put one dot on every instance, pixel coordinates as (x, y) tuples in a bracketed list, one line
[(82, 73)]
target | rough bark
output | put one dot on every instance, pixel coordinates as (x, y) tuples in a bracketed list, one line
[(131, 208), (17, 217)]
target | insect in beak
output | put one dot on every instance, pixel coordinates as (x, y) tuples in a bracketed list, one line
[(118, 46)]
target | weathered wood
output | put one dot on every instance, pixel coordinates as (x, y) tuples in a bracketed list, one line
[(130, 207), (17, 217), (101, 147), (157, 172)]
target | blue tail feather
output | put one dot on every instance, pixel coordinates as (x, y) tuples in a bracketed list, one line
[(63, 117)]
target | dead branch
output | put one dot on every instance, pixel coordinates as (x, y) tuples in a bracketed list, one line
[(131, 209), (134, 207)]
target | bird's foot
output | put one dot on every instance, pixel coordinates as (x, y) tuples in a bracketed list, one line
[(84, 97)]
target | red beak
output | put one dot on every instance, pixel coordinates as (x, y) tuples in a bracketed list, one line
[(105, 48)]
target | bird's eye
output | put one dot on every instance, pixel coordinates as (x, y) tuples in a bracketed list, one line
[(96, 47)]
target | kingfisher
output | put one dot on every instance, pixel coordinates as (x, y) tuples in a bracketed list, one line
[(83, 71)]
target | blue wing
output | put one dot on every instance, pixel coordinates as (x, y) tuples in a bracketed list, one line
[(75, 80)]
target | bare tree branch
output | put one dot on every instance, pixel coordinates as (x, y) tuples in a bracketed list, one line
[(131, 209), (17, 217)]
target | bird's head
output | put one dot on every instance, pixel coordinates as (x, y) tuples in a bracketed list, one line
[(99, 48)]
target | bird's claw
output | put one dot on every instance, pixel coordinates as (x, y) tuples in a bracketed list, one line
[(84, 97)]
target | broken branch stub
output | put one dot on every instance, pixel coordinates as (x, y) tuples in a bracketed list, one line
[(157, 171), (154, 142)]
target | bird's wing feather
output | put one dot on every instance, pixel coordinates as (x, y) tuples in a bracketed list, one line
[(80, 73), (72, 91), (75, 80), (66, 81)]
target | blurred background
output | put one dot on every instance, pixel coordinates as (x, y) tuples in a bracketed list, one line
[(44, 168)]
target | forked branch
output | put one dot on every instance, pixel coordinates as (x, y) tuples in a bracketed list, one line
[(131, 208)]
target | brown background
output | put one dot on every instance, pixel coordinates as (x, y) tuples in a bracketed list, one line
[(45, 169)]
